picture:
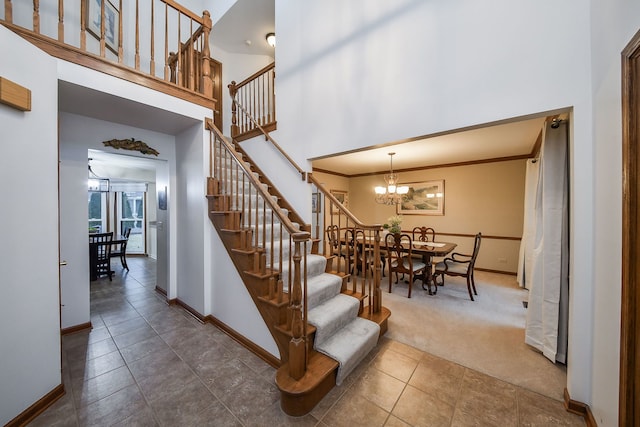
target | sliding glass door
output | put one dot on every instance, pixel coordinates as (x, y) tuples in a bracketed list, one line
[(131, 214)]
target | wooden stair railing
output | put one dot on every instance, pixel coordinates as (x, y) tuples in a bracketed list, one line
[(305, 375), (105, 49), (257, 93), (268, 249)]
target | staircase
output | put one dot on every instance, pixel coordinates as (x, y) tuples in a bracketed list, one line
[(271, 248)]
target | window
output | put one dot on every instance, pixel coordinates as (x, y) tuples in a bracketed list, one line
[(97, 208)]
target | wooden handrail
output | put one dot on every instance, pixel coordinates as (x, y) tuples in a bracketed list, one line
[(256, 75), (273, 142)]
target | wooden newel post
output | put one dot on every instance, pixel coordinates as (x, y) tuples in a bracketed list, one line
[(173, 61), (297, 345), (234, 109), (206, 83)]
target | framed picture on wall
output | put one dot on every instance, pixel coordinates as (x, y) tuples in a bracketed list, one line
[(423, 198), (315, 202), (111, 22), (343, 198), (162, 199)]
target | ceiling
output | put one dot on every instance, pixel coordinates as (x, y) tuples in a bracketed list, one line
[(490, 142), (244, 27)]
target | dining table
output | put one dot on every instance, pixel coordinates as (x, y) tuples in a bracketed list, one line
[(93, 255), (428, 251)]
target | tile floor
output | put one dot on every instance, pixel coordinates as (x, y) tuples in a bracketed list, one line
[(146, 364)]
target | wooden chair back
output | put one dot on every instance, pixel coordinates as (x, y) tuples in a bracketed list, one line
[(424, 234), (400, 259)]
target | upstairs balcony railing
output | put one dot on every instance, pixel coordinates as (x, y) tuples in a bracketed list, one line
[(157, 43), (256, 95)]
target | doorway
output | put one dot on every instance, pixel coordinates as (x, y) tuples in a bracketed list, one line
[(629, 407)]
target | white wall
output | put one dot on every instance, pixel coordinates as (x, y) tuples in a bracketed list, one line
[(190, 196), (360, 73), (29, 321), (613, 26)]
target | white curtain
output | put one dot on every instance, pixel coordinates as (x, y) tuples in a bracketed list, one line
[(544, 252), (528, 229)]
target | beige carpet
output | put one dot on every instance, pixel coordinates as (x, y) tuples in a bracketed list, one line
[(486, 335)]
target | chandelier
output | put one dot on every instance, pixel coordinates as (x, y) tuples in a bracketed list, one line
[(96, 183), (392, 193)]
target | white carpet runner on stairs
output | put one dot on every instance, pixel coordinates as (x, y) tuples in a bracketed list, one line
[(340, 333)]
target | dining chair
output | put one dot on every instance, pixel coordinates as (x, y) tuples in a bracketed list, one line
[(364, 255), (401, 261), (340, 248), (121, 249), (424, 234), (460, 265), (103, 258), (101, 237)]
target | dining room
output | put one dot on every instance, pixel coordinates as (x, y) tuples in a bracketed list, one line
[(481, 191)]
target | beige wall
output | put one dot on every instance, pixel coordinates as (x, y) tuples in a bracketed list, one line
[(486, 198)]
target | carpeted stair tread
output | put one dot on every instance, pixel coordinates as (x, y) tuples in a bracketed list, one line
[(321, 288), (332, 315), (350, 345), (316, 265)]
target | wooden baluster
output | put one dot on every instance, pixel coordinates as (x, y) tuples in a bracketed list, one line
[(166, 43), (8, 11), (61, 21), (191, 53), (120, 34), (152, 64), (206, 85), (36, 16), (263, 110), (83, 26), (273, 95), (376, 296), (297, 345), (254, 105), (137, 55), (234, 118), (179, 74)]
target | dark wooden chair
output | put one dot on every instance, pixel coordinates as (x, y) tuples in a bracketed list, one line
[(103, 259), (121, 249), (101, 237), (401, 261), (364, 254), (424, 234), (338, 247), (460, 265)]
